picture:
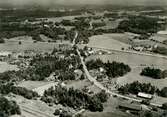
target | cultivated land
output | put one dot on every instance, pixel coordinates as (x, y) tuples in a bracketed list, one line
[(106, 41), (118, 43), (28, 44)]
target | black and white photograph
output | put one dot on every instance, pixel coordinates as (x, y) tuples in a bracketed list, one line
[(83, 58)]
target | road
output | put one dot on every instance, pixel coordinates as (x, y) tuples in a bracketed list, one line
[(132, 52), (99, 85)]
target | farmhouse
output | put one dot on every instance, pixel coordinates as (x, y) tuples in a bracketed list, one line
[(144, 95)]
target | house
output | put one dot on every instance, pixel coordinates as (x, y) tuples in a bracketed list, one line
[(144, 95), (138, 48)]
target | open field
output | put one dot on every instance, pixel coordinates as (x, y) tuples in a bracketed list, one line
[(7, 67), (106, 41), (159, 37), (59, 19), (27, 44), (81, 84), (118, 40), (106, 114), (33, 108), (136, 62), (33, 84)]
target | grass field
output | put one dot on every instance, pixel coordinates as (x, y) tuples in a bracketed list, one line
[(7, 67), (106, 114), (107, 41), (26, 44), (135, 62), (33, 84)]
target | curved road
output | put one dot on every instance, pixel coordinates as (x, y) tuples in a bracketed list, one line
[(99, 85)]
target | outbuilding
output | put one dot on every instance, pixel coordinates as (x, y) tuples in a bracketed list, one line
[(144, 95)]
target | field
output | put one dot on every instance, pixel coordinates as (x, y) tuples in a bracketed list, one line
[(33, 84), (7, 67), (136, 62), (26, 44), (106, 114), (160, 37), (106, 41), (59, 19)]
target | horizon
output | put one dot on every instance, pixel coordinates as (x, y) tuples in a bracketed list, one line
[(82, 2)]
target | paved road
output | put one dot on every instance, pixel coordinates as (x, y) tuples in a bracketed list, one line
[(99, 85)]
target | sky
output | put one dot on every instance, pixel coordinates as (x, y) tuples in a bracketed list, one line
[(71, 2)]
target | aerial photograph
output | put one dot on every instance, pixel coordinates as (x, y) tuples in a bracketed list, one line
[(83, 58)]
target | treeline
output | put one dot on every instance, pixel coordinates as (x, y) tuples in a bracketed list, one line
[(140, 25), (75, 98), (154, 73), (114, 69), (111, 15), (136, 87), (17, 15), (10, 88), (98, 24), (8, 108)]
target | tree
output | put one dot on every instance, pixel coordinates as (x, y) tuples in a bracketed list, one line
[(95, 105), (103, 96), (154, 73), (164, 106), (57, 112), (2, 40), (8, 108), (65, 114), (20, 42), (163, 92)]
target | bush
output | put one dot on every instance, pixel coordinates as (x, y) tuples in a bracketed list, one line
[(163, 92), (164, 106), (154, 73), (57, 112), (2, 41)]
